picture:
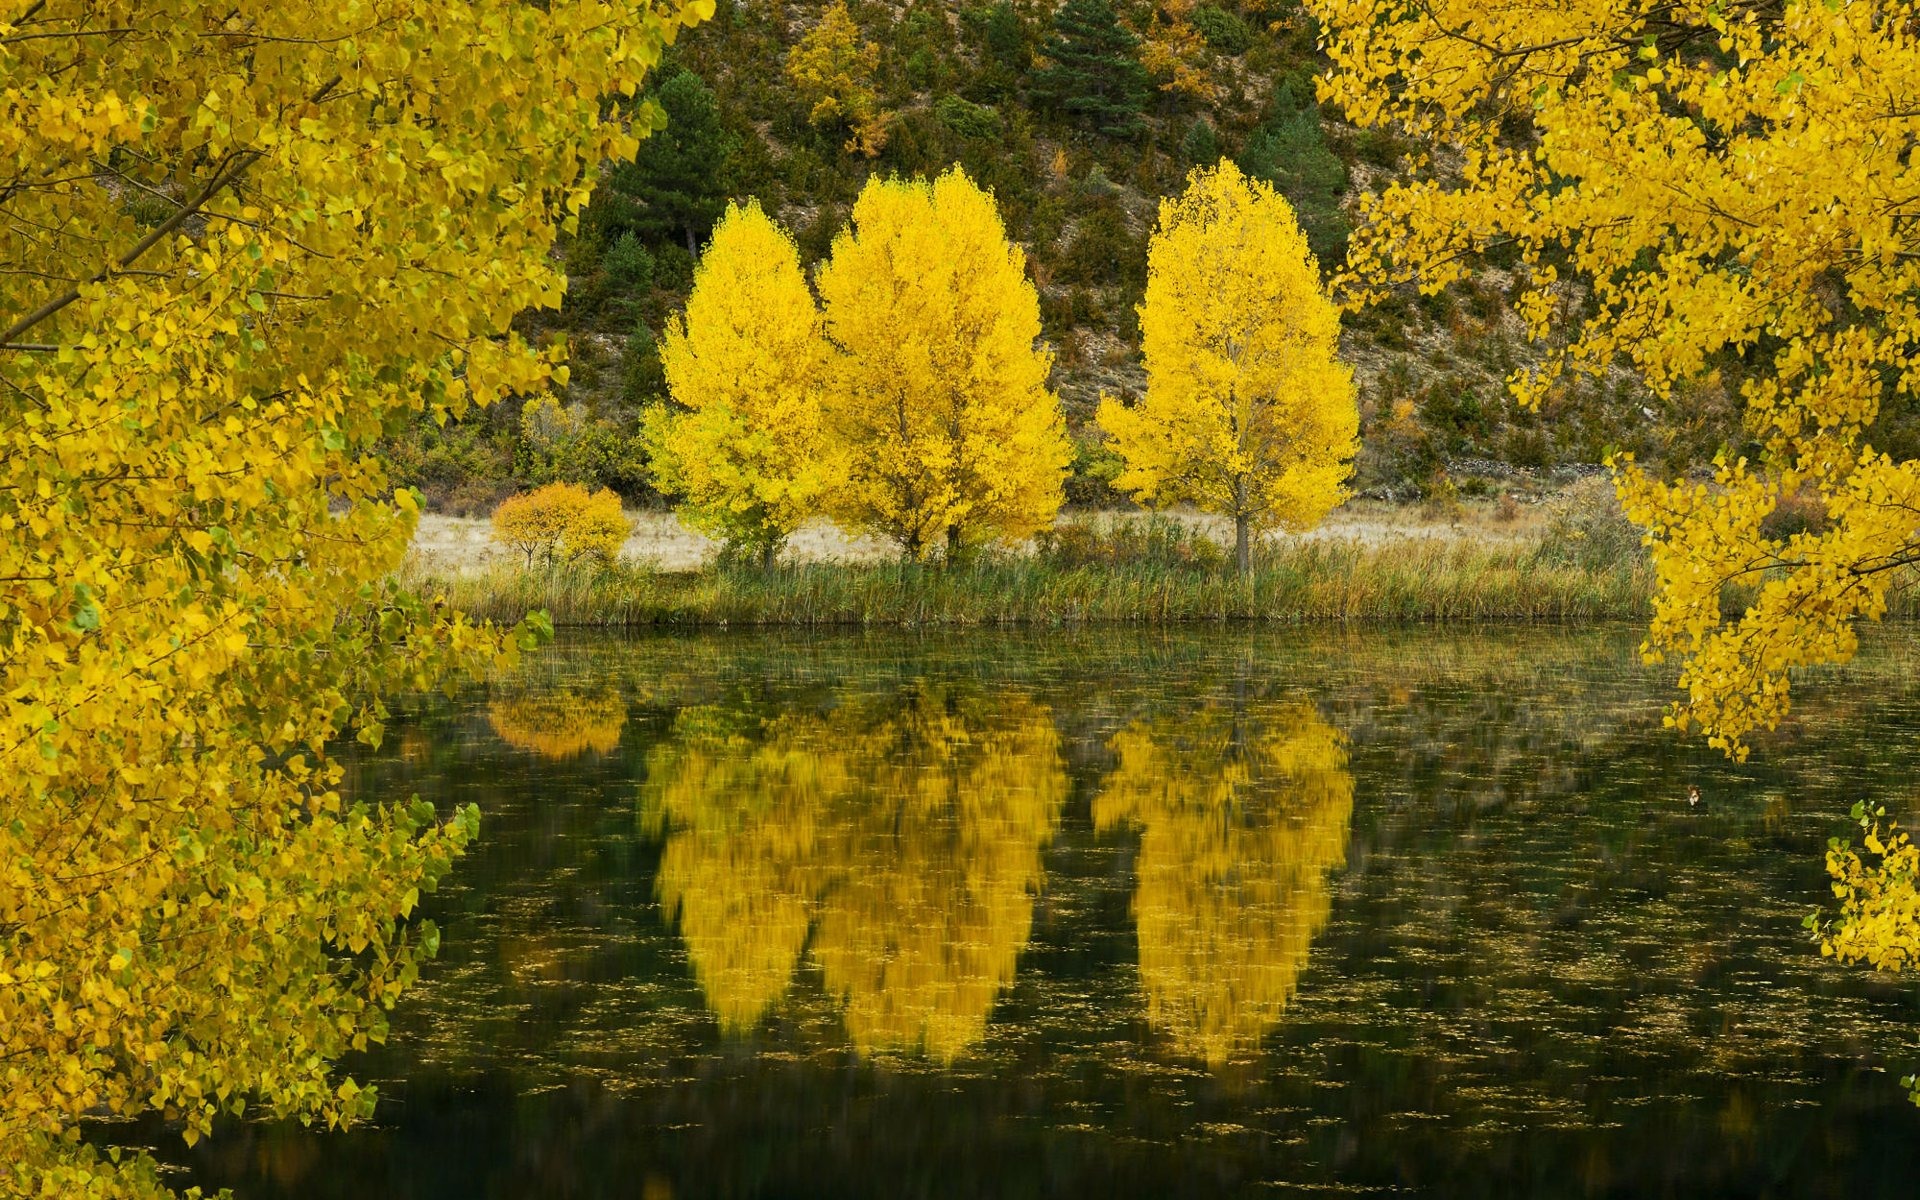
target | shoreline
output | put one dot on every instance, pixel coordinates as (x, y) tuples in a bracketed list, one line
[(1308, 583)]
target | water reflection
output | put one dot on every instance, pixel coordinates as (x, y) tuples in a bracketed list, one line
[(1538, 972), (1243, 811), (893, 839), (559, 723)]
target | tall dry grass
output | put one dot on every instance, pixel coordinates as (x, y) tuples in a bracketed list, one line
[(1403, 581)]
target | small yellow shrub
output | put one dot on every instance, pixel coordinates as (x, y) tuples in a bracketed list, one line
[(562, 522)]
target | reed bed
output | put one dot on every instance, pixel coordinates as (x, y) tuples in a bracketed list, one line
[(1404, 581)]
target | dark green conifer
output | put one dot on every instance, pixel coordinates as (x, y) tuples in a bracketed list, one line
[(676, 186), (1093, 74)]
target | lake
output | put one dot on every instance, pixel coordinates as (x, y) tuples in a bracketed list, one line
[(1112, 912)]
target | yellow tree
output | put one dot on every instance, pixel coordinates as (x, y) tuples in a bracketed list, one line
[(833, 66), (1173, 50), (745, 365), (1249, 412), (1243, 813), (240, 241), (939, 409), (562, 521), (1732, 188)]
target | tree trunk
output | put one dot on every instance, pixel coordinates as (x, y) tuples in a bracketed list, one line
[(1242, 549), (953, 544), (767, 552), (693, 247)]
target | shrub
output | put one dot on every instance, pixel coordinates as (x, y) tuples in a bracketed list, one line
[(1201, 146), (1152, 542), (966, 118), (642, 378), (562, 522), (1224, 31), (1588, 530)]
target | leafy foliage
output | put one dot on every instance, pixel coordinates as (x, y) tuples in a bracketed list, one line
[(746, 367), (194, 579), (939, 410), (562, 522), (967, 119), (833, 66), (1223, 30), (1248, 412), (1175, 51), (1728, 185)]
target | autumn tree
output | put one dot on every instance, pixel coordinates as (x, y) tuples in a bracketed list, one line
[(833, 67), (745, 366), (1243, 813), (944, 429), (1094, 72), (1249, 412), (241, 242), (1730, 189), (562, 522), (1176, 53)]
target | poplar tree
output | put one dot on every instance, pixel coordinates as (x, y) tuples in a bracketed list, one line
[(1733, 187), (1249, 412), (938, 409), (745, 366), (242, 241)]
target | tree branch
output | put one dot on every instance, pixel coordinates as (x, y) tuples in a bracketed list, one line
[(226, 175)]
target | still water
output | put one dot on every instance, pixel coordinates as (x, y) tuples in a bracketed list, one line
[(1126, 914)]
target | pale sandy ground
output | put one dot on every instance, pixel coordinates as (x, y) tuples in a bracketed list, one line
[(462, 544)]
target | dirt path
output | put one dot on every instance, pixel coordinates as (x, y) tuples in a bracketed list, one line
[(463, 544)]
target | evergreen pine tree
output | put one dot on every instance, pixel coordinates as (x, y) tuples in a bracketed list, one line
[(1288, 151), (676, 186), (1093, 74)]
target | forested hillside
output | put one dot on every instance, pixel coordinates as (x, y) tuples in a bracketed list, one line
[(1079, 117)]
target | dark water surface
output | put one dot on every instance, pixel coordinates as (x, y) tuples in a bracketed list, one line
[(1111, 913)]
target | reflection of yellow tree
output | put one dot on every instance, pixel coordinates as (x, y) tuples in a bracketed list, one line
[(1243, 814), (905, 836), (559, 723)]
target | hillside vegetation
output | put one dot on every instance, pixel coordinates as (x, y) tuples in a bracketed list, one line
[(1079, 117)]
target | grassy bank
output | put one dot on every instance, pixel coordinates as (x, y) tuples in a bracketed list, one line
[(1402, 580)]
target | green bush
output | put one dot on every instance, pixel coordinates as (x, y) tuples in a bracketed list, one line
[(1154, 541), (1224, 31), (642, 379), (966, 118)]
